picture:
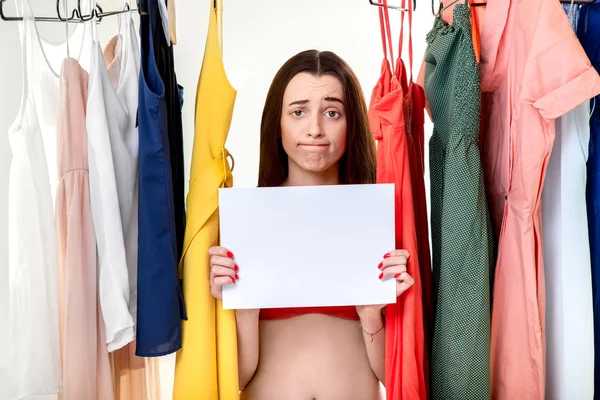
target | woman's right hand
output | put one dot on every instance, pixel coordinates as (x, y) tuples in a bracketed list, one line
[(223, 270)]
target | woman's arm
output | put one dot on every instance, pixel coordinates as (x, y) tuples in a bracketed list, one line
[(248, 345), (223, 271), (373, 327), (371, 318)]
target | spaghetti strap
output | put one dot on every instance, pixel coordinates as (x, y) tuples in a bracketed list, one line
[(384, 24), (26, 60), (410, 42), (33, 28), (409, 7), (382, 28)]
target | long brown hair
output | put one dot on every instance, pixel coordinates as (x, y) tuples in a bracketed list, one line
[(358, 164)]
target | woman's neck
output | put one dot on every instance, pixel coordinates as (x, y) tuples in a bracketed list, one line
[(299, 177)]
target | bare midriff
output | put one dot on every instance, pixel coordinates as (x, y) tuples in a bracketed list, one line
[(312, 356)]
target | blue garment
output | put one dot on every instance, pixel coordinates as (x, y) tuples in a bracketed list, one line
[(572, 12), (160, 304), (588, 31), (163, 54)]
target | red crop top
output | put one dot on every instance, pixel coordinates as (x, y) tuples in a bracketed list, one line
[(345, 312)]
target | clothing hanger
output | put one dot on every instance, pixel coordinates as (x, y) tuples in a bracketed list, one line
[(172, 21), (80, 13), (375, 3), (97, 12), (76, 15), (442, 7)]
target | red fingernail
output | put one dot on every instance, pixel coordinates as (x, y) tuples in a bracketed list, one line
[(233, 281), (229, 254), (237, 277), (236, 268), (386, 255), (397, 276), (381, 275), (380, 265)]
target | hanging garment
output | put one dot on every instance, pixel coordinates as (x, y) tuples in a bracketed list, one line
[(536, 71), (569, 314), (416, 154), (588, 31), (207, 365), (34, 351), (163, 53), (135, 378), (477, 14), (121, 56), (414, 124), (475, 32), (405, 361), (159, 304), (85, 365), (460, 226), (567, 268), (106, 123)]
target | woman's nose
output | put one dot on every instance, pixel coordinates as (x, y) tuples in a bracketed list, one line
[(315, 129)]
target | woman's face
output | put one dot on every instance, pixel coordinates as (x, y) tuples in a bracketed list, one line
[(313, 122)]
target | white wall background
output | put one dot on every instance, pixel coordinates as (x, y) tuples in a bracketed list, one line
[(258, 37)]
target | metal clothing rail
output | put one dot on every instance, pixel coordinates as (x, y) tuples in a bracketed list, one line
[(380, 4), (77, 16)]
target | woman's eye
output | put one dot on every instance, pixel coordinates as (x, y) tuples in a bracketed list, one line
[(332, 114), (298, 113)]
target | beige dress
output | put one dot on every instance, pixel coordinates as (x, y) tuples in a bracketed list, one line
[(85, 362)]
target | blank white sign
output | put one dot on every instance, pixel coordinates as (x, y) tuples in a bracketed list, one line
[(308, 245)]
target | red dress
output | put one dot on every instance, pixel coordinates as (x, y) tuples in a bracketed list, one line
[(414, 127), (406, 351)]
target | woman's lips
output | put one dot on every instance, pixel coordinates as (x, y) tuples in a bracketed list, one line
[(314, 144)]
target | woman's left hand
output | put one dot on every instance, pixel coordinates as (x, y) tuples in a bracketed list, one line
[(394, 266)]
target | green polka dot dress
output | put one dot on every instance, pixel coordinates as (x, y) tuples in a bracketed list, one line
[(462, 242)]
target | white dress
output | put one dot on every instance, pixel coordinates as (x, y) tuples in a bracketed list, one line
[(123, 58), (569, 313), (34, 351), (567, 266), (112, 178)]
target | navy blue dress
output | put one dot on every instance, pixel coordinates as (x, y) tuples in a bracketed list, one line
[(588, 31), (160, 304)]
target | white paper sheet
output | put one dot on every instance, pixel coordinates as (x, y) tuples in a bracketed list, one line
[(308, 246)]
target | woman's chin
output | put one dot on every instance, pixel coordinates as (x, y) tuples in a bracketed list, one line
[(315, 165)]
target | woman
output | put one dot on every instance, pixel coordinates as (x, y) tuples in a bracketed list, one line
[(314, 131)]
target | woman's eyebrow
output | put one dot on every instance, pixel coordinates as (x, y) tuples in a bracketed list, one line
[(330, 99), (298, 102), (334, 99)]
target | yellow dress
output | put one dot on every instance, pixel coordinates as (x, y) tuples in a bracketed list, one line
[(206, 366)]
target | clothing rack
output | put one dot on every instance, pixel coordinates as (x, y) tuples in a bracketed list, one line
[(483, 4), (76, 16), (378, 4)]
